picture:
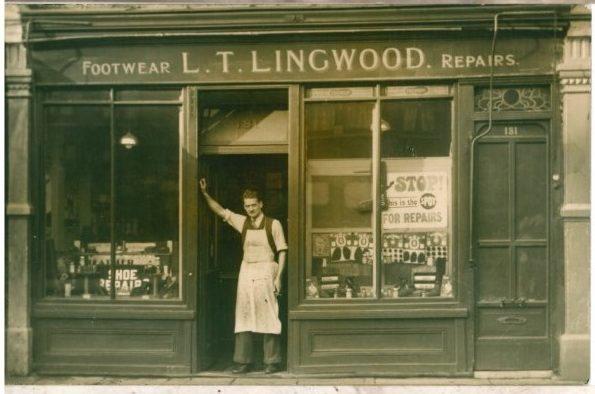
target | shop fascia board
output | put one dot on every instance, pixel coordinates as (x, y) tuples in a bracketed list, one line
[(118, 22)]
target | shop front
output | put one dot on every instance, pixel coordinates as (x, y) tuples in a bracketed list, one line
[(421, 170)]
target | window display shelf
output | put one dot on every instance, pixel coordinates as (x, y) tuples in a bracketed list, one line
[(143, 271)]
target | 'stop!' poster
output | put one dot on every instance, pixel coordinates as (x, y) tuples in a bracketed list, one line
[(416, 200)]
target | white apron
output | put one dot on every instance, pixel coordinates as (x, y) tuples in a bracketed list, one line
[(257, 309)]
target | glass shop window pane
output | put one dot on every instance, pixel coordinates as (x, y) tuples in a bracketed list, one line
[(416, 194), (339, 130), (77, 199), (416, 128), (78, 202), (339, 201), (147, 202)]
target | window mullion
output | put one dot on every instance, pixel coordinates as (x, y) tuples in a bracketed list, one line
[(376, 209), (112, 197)]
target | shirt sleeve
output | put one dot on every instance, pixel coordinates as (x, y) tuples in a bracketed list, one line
[(234, 220), (278, 235)]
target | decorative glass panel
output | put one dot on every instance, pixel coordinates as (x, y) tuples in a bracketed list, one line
[(528, 99)]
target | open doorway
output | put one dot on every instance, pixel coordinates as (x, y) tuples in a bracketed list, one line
[(228, 176)]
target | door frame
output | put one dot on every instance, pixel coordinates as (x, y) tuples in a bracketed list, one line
[(200, 357)]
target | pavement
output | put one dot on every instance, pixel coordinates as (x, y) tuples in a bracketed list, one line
[(258, 378)]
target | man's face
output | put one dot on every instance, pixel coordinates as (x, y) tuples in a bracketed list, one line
[(253, 207)]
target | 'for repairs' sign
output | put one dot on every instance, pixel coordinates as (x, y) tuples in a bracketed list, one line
[(416, 200)]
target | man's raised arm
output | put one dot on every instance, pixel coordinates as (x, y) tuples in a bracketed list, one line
[(214, 205)]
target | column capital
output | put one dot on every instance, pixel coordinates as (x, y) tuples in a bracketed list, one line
[(577, 48), (13, 26), (15, 50)]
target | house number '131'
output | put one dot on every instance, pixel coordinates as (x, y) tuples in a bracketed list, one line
[(511, 130)]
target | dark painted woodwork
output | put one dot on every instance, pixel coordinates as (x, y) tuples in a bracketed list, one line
[(512, 257), (105, 346), (332, 18), (391, 346)]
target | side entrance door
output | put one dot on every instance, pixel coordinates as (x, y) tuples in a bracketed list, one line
[(512, 217)]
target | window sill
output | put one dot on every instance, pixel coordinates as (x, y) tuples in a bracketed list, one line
[(84, 309), (448, 309)]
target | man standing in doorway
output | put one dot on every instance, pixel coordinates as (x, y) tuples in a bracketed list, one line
[(259, 281)]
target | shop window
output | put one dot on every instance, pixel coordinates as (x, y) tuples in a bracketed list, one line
[(112, 202), (415, 197), (407, 149), (339, 194)]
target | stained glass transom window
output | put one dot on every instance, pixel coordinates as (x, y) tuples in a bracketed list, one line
[(530, 99)]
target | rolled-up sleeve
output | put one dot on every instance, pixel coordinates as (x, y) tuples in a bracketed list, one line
[(278, 236), (234, 220)]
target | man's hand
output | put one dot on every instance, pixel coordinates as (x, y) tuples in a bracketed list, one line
[(203, 185), (277, 284)]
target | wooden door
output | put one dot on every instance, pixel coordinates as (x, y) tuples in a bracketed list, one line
[(511, 250)]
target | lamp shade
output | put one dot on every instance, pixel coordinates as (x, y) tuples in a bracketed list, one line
[(129, 140)]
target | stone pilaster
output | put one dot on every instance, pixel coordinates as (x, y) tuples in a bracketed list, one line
[(575, 81), (18, 201)]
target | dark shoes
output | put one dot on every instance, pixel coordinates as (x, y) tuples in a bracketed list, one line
[(240, 368), (271, 368), (243, 368)]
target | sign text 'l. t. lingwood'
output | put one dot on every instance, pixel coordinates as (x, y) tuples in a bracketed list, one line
[(244, 62)]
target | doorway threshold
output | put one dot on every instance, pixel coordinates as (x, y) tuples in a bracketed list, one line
[(513, 374)]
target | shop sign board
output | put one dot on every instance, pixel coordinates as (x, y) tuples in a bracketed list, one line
[(416, 200), (292, 61), (126, 280)]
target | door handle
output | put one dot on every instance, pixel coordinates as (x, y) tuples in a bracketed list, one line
[(520, 302), (472, 263), (506, 302)]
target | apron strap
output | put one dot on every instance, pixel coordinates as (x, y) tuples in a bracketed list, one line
[(268, 226)]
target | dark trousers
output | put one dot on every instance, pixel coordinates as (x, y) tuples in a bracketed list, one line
[(244, 352)]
